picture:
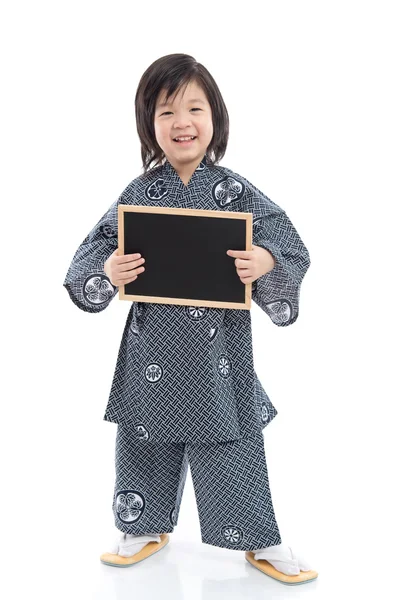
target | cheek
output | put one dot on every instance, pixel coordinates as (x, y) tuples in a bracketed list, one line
[(160, 132), (207, 129)]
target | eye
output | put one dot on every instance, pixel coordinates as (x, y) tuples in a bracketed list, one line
[(169, 112)]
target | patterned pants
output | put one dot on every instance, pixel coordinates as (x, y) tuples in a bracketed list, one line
[(230, 481)]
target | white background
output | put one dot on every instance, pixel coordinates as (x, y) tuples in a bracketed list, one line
[(313, 98)]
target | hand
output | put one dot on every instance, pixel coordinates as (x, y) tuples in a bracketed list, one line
[(252, 264), (123, 269)]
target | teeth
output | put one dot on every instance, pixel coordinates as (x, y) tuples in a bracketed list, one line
[(185, 139)]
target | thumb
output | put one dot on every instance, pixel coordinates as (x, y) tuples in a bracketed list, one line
[(115, 253)]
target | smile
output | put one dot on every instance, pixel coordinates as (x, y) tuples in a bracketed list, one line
[(185, 140)]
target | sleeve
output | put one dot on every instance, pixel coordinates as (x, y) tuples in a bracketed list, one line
[(277, 293), (87, 284)]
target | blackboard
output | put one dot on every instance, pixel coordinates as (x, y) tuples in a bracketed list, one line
[(185, 255)]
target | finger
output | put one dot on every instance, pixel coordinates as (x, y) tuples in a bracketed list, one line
[(244, 272), (129, 266), (129, 274), (242, 263), (127, 258), (240, 253), (120, 283)]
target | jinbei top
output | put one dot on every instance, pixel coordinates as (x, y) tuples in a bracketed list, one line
[(186, 373)]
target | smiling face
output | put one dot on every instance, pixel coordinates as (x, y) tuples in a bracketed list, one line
[(188, 115)]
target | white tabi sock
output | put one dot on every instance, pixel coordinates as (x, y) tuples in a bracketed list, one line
[(283, 559), (128, 545)]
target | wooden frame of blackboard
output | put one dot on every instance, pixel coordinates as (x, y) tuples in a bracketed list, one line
[(193, 213)]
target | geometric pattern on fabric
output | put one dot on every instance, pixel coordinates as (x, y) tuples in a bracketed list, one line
[(280, 310), (209, 395), (156, 472), (230, 481), (97, 289), (186, 374), (233, 496), (227, 190), (129, 505)]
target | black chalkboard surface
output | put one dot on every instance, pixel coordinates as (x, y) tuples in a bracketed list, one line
[(185, 251)]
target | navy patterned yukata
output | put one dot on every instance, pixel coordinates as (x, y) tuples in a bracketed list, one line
[(184, 389)]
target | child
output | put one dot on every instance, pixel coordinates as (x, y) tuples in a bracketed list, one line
[(184, 389)]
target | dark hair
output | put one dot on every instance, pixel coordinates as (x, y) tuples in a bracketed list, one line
[(171, 73)]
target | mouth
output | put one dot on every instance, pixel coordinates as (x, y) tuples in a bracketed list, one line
[(185, 140)]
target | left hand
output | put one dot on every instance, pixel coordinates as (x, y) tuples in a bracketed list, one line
[(252, 264)]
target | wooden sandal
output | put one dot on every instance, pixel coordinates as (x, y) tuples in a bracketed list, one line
[(115, 560), (268, 569)]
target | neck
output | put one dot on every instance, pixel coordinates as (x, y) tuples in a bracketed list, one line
[(186, 170)]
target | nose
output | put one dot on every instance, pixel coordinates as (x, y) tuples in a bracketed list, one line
[(182, 121)]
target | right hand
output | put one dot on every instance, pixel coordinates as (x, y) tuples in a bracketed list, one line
[(123, 269)]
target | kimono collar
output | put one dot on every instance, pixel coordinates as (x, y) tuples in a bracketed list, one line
[(169, 171)]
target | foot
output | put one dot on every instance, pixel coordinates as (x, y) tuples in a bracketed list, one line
[(128, 545), (283, 559)]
